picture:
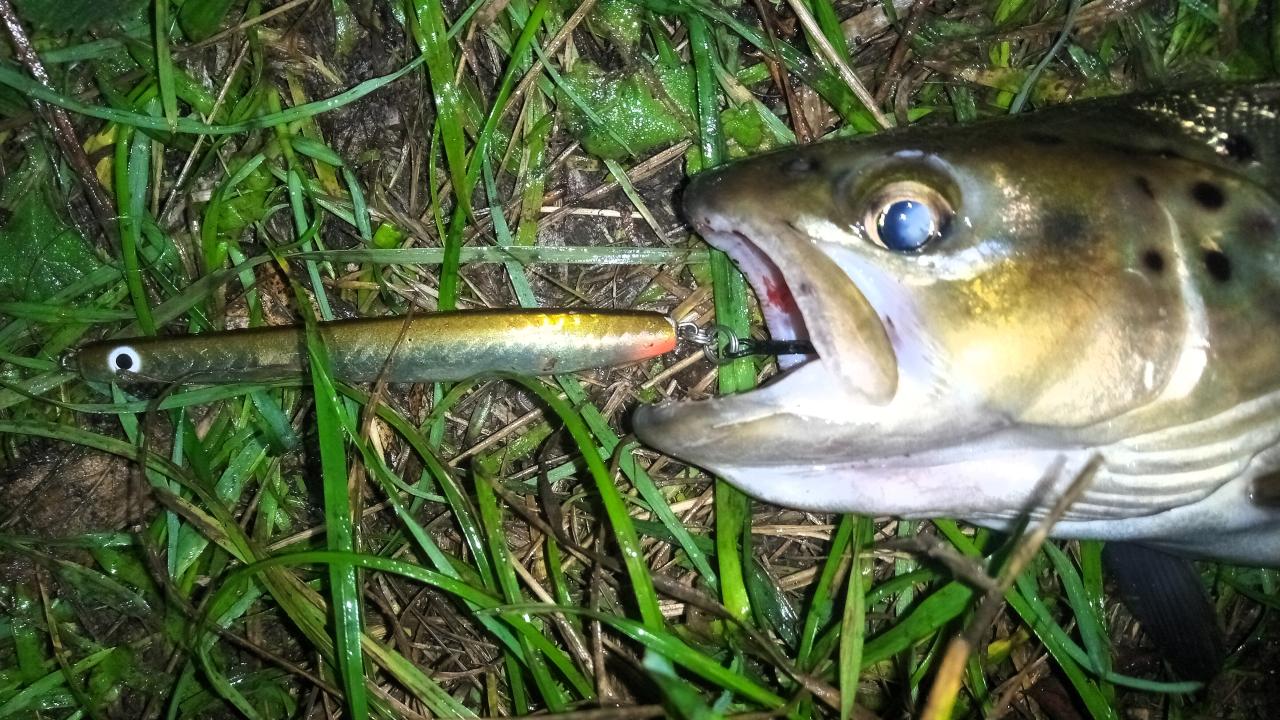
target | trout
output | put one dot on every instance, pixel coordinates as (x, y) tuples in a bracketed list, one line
[(1096, 280)]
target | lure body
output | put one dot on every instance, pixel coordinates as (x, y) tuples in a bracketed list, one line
[(1098, 279), (420, 348)]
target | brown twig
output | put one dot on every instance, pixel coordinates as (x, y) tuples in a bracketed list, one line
[(799, 122), (64, 133), (840, 64), (950, 675), (893, 72)]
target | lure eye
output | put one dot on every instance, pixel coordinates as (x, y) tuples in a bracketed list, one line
[(124, 359), (905, 216)]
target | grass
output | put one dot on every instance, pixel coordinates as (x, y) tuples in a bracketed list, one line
[(499, 547)]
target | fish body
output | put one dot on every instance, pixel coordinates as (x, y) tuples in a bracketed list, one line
[(986, 302), (418, 348)]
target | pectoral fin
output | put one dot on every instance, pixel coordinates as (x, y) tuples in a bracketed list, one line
[(1165, 593)]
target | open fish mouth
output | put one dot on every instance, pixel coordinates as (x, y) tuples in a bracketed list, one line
[(782, 316), (803, 295), (802, 292)]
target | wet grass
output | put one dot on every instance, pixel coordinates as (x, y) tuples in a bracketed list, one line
[(500, 547)]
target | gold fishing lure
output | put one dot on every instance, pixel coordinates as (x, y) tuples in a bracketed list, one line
[(420, 348)]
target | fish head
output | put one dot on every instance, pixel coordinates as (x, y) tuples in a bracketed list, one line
[(963, 292)]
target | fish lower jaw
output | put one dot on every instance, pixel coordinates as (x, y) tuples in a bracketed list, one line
[(759, 426)]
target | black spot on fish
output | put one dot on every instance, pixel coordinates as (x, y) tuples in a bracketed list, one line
[(890, 330), (1138, 151), (124, 362), (1044, 138), (1145, 186), (1209, 196), (1218, 265), (1239, 147), (801, 166), (1065, 227), (1153, 260)]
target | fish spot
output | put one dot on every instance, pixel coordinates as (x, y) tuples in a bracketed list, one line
[(1153, 260), (1044, 138), (1065, 227), (1239, 147), (890, 330), (1209, 196), (1218, 265), (1145, 186)]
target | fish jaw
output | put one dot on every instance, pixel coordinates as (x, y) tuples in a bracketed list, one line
[(794, 442), (747, 429)]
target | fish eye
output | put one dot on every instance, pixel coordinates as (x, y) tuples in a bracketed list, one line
[(124, 359), (905, 216)]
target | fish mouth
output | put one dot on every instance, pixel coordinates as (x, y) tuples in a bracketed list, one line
[(782, 316), (803, 295)]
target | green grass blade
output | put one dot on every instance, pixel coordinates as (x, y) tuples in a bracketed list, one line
[(339, 527), (543, 254), (491, 517), (437, 49), (164, 63), (133, 171), (854, 623), (730, 295), (27, 86), (619, 521), (667, 645)]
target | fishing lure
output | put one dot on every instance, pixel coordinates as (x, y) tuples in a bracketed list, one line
[(420, 348)]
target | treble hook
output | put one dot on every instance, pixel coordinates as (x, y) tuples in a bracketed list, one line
[(736, 347)]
